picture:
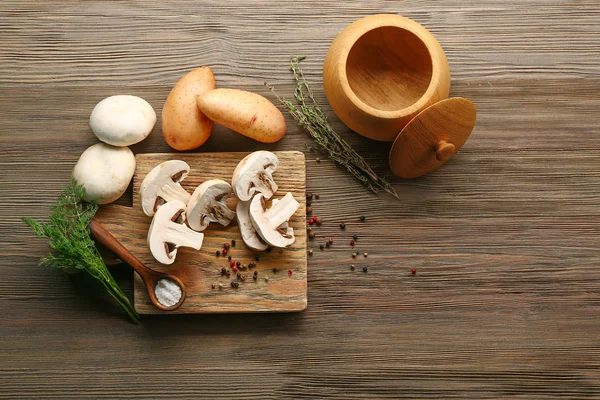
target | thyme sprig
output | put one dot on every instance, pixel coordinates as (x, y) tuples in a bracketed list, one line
[(70, 239), (310, 116)]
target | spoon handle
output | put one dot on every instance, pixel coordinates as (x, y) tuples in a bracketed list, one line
[(99, 232)]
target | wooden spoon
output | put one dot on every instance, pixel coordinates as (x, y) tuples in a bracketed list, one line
[(149, 276)]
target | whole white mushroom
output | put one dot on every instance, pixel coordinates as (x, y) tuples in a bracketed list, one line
[(105, 171), (122, 120)]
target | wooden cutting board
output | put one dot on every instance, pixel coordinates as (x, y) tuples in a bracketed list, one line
[(199, 270)]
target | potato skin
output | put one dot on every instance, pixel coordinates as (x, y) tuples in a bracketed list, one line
[(184, 127), (247, 113)]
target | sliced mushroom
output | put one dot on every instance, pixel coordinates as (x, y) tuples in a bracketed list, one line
[(168, 232), (268, 222), (249, 234), (161, 185), (254, 175), (207, 205)]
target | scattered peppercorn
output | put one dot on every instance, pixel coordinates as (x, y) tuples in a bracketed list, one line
[(308, 202), (269, 249), (319, 221), (231, 263), (289, 272), (309, 210), (414, 271), (310, 222), (238, 276), (218, 253), (363, 218), (224, 252), (234, 268), (233, 242), (327, 244), (255, 275), (352, 267), (238, 263), (330, 240), (342, 226), (256, 258), (352, 243), (318, 159), (310, 252), (309, 195), (229, 258), (228, 273), (353, 255), (226, 246), (355, 237), (234, 284), (223, 271), (243, 277), (275, 270), (365, 254), (314, 217), (317, 196), (252, 264), (321, 247), (311, 235), (365, 269)]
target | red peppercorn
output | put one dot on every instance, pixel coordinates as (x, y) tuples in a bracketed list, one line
[(352, 243), (414, 271), (330, 240), (232, 263), (234, 268), (224, 252), (289, 272), (314, 217), (311, 222)]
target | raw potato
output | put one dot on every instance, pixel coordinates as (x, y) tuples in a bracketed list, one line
[(184, 127), (247, 113)]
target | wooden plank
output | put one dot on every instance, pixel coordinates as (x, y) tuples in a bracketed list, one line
[(198, 270)]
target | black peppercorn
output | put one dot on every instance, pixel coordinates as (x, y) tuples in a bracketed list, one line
[(239, 276), (228, 258), (363, 218), (321, 247), (234, 284), (256, 258), (342, 226), (309, 210), (365, 269), (355, 237), (317, 196), (223, 271), (275, 270), (218, 253), (237, 264), (226, 246), (308, 202), (327, 244), (255, 275), (269, 249), (311, 235), (233, 242), (309, 195), (252, 265)]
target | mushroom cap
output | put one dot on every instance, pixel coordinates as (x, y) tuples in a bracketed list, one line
[(105, 172), (269, 223), (254, 175), (168, 232), (207, 204), (249, 234), (159, 180), (122, 120)]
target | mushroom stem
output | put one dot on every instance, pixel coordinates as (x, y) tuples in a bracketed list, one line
[(173, 191), (280, 211), (182, 236)]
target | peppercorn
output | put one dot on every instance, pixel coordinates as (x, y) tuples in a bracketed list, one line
[(233, 242), (319, 221), (226, 246), (238, 263), (218, 253), (314, 217), (365, 254), (317, 196), (365, 269), (308, 202), (224, 252), (354, 255), (309, 209), (223, 271), (269, 249), (321, 247), (342, 226), (275, 270), (234, 268), (243, 277), (228, 273), (330, 240), (252, 265), (255, 275), (327, 244), (363, 218), (243, 267), (355, 237), (289, 272), (352, 267), (311, 235), (234, 284), (256, 258), (318, 160), (310, 222), (309, 195), (310, 252), (414, 271), (229, 258), (352, 243), (231, 263), (238, 276)]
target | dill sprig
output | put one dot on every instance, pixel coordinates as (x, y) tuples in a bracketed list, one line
[(70, 239), (310, 116)]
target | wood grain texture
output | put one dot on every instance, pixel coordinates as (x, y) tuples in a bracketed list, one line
[(198, 270), (504, 237)]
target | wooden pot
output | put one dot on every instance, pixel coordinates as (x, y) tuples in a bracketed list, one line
[(381, 71)]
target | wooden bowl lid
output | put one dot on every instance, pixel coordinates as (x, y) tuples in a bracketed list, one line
[(432, 137)]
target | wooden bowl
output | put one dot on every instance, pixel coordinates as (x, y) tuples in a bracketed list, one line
[(381, 71)]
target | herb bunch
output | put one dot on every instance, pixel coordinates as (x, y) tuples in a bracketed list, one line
[(70, 239), (310, 116)]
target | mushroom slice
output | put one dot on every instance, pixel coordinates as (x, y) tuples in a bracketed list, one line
[(249, 234), (161, 185), (168, 233), (254, 175), (268, 222), (207, 205)]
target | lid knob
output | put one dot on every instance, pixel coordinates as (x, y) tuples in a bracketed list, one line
[(444, 150)]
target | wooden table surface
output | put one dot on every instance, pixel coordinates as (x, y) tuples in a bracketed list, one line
[(506, 300)]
